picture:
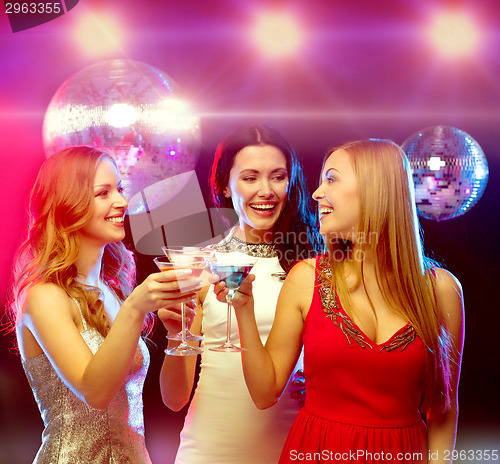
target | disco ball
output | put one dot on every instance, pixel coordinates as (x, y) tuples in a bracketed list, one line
[(450, 171), (130, 110)]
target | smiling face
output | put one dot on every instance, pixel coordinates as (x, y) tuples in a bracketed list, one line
[(106, 223), (338, 197), (257, 186)]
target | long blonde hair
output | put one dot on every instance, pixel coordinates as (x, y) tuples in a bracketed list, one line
[(60, 205), (388, 224)]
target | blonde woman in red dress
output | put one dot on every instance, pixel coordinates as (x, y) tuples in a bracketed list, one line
[(381, 325)]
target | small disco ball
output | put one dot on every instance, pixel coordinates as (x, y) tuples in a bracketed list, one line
[(129, 110), (450, 171)]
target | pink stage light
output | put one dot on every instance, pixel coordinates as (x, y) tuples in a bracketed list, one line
[(454, 34), (277, 34)]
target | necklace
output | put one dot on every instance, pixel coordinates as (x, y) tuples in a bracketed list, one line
[(258, 250)]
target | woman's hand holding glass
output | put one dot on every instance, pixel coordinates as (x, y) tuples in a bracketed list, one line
[(232, 269), (171, 317), (242, 298), (160, 290), (185, 285), (179, 260), (236, 298)]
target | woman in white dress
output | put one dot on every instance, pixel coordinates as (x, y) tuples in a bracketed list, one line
[(256, 172)]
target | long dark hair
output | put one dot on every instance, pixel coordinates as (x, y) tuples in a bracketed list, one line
[(296, 229)]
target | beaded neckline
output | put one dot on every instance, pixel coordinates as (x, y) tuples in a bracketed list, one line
[(258, 250), (331, 307)]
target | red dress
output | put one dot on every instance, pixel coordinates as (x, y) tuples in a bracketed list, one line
[(362, 398)]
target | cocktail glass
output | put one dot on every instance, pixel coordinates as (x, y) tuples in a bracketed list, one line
[(177, 259), (232, 268)]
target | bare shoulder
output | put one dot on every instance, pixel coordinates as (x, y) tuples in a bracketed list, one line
[(47, 308), (42, 296), (302, 274), (449, 294), (298, 288), (447, 280)]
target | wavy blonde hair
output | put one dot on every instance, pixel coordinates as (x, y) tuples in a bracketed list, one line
[(60, 204), (389, 225)]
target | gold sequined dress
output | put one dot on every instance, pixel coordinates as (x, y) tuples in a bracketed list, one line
[(76, 433)]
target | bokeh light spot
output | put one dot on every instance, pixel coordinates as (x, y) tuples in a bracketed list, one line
[(454, 34), (98, 34), (277, 34), (435, 163), (121, 115)]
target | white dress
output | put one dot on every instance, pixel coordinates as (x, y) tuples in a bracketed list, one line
[(223, 425)]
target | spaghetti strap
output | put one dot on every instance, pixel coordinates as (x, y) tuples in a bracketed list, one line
[(84, 322)]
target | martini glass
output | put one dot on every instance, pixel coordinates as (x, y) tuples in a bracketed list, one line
[(194, 258), (232, 269), (177, 259)]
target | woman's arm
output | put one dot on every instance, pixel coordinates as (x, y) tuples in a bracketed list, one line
[(51, 318), (178, 372), (442, 429), (268, 369)]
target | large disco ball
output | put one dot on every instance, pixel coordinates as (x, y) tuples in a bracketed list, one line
[(132, 111), (450, 171)]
